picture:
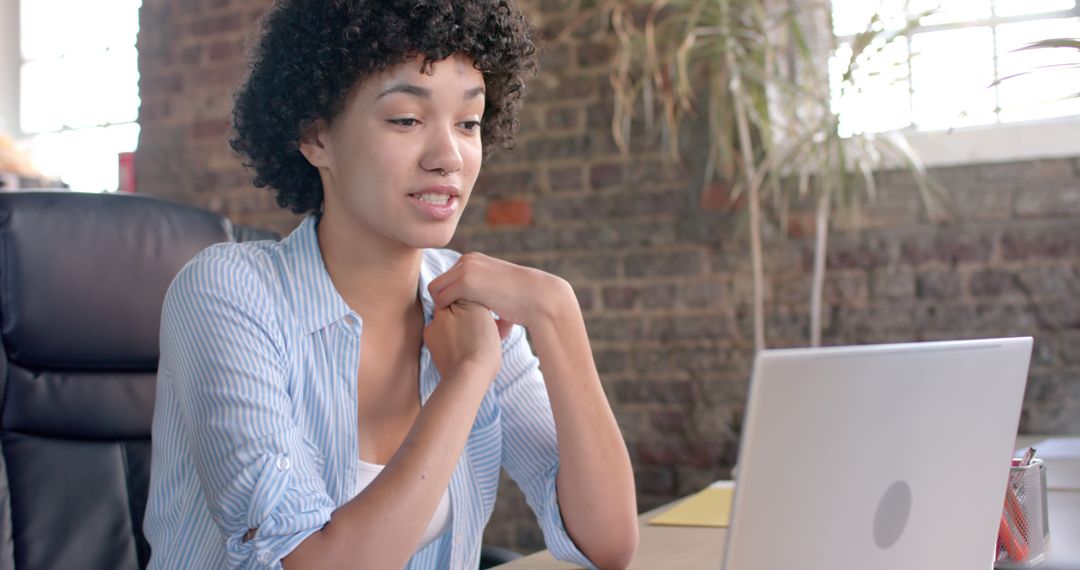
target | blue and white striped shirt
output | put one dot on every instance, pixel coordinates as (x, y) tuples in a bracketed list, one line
[(255, 423)]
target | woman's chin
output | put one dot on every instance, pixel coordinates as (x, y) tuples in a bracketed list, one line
[(431, 239)]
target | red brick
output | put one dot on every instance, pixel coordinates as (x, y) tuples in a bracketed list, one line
[(555, 57), (160, 84), (620, 297), (509, 213), (718, 197), (209, 128), (225, 49), (188, 6), (801, 225), (668, 422), (584, 298), (689, 453), (154, 110), (591, 54), (224, 180), (606, 175), (563, 179), (505, 182), (191, 55), (217, 25), (212, 78), (563, 118)]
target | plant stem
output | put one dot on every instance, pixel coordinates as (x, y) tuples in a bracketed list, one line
[(821, 236), (746, 147)]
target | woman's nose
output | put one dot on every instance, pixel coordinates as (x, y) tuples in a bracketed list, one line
[(443, 152)]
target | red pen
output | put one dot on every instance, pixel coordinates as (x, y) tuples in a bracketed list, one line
[(1017, 551), (1015, 546)]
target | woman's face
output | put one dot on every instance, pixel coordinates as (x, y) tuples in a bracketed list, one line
[(399, 163)]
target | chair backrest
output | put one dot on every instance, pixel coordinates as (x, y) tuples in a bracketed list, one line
[(82, 280)]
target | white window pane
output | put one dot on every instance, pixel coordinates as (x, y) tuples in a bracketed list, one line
[(1042, 92), (100, 25), (41, 33), (102, 88), (957, 11), (123, 27), (51, 28), (42, 96), (950, 72), (877, 98), (86, 159), (123, 90), (851, 17), (1023, 7)]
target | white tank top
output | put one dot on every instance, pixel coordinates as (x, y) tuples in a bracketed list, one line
[(440, 521)]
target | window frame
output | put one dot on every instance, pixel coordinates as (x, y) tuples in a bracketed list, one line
[(1053, 137)]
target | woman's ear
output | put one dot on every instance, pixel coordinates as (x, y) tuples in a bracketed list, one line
[(313, 144)]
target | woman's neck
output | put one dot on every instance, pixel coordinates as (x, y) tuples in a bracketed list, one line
[(377, 279)]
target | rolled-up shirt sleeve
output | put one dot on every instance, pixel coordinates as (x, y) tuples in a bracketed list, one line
[(530, 450), (222, 356)]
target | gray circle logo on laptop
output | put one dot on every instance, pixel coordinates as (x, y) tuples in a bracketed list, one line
[(892, 514)]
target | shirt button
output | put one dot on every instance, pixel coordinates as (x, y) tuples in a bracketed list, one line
[(265, 557), (283, 463)]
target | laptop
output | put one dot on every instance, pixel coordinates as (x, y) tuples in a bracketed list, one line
[(883, 457)]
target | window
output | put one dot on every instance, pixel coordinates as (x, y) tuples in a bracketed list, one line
[(79, 98), (943, 75)]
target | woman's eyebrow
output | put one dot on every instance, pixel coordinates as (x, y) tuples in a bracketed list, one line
[(423, 92), (406, 88)]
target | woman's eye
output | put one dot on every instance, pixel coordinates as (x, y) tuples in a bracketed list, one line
[(471, 125), (405, 122)]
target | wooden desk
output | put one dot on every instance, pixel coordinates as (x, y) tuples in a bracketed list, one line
[(669, 547)]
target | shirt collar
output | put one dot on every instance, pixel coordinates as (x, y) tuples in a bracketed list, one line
[(316, 301)]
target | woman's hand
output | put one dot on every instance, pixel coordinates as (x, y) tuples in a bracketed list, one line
[(519, 295), (464, 336)]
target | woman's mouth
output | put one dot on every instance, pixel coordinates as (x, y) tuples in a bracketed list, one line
[(435, 206), (433, 198)]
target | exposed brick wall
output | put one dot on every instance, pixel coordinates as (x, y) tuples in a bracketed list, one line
[(662, 271), (190, 61)]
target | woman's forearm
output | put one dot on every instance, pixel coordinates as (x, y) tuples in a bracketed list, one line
[(382, 526), (595, 483)]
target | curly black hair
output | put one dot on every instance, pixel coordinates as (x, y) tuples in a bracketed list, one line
[(311, 54)]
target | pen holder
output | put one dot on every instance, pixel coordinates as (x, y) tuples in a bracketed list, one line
[(1024, 530)]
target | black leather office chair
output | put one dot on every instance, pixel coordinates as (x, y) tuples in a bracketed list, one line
[(82, 279)]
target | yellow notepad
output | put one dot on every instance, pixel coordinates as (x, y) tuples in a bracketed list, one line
[(710, 507)]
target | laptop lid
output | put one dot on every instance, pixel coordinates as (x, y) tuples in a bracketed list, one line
[(887, 457)]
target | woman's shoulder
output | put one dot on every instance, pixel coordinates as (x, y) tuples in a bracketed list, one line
[(243, 271)]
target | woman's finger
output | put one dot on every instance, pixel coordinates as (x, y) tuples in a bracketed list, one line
[(445, 280), (449, 295)]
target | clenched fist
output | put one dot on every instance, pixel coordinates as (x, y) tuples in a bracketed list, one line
[(464, 337)]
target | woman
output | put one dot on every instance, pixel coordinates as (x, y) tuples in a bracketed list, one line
[(342, 398)]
